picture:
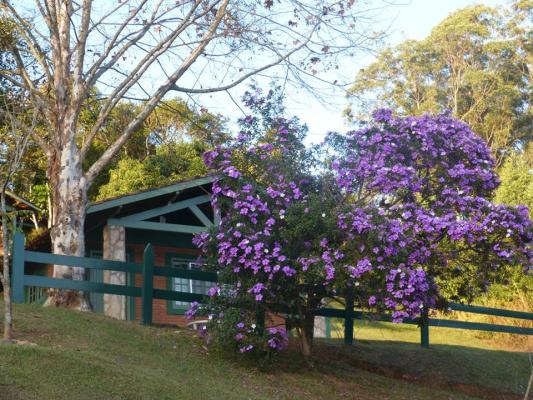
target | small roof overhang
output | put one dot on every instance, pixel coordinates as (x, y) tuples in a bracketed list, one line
[(18, 203), (141, 196)]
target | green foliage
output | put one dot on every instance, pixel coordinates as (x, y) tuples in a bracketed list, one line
[(39, 195), (165, 147), (238, 332), (170, 163), (516, 186), (8, 37), (476, 63), (35, 233)]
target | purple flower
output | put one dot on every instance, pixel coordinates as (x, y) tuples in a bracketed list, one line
[(232, 172), (193, 309), (245, 349)]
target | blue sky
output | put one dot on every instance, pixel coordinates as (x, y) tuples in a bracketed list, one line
[(413, 19)]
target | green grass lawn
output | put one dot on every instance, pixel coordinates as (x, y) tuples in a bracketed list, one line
[(86, 356), (455, 355)]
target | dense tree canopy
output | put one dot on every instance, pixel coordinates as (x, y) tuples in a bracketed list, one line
[(170, 163), (476, 63), (516, 188), (167, 147), (430, 180)]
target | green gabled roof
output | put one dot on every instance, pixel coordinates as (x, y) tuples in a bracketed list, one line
[(147, 194)]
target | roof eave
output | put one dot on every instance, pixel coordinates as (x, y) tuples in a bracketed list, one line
[(132, 198), (23, 201)]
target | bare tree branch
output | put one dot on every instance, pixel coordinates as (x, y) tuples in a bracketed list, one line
[(30, 39), (96, 168)]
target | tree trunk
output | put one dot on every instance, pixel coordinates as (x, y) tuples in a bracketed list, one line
[(69, 202), (306, 338), (6, 276), (306, 332), (306, 348), (309, 330)]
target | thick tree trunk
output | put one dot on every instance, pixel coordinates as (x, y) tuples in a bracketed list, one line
[(306, 332), (69, 202), (306, 339), (6, 276)]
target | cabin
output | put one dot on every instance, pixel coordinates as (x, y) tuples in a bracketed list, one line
[(18, 205), (120, 228)]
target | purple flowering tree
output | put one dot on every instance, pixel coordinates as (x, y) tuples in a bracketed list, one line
[(401, 213), (421, 228), (275, 213)]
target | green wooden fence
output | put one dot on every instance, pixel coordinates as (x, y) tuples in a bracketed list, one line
[(148, 293), (148, 270)]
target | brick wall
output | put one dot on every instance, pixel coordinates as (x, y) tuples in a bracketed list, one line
[(160, 310)]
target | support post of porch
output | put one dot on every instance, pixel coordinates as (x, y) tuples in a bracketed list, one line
[(114, 249)]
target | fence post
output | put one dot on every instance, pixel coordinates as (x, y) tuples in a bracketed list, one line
[(424, 328), (17, 275), (348, 318), (147, 291)]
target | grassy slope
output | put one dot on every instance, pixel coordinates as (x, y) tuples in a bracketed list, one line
[(86, 356), (455, 355)]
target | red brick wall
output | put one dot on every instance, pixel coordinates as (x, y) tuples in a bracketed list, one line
[(160, 310)]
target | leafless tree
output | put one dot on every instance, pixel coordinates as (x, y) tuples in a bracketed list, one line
[(13, 141), (70, 53)]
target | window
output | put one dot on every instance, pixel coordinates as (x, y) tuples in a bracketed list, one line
[(185, 285)]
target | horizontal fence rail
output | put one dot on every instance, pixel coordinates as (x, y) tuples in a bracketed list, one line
[(480, 326), (491, 311), (148, 293), (85, 262)]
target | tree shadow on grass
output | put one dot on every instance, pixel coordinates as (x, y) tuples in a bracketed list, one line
[(483, 373)]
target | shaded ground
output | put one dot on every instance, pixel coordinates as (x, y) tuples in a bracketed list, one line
[(467, 357), (87, 356)]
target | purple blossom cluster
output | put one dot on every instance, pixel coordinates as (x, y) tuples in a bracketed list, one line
[(192, 311), (426, 181), (436, 155), (276, 339), (245, 240)]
